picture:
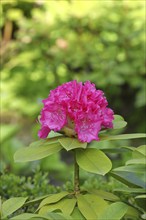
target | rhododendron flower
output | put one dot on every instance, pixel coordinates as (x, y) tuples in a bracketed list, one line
[(76, 109)]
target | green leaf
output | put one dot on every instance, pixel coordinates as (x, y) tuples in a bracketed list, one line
[(132, 213), (105, 195), (91, 206), (53, 198), (130, 190), (141, 196), (53, 134), (121, 136), (65, 205), (138, 168), (119, 122), (128, 176), (138, 156), (38, 150), (11, 205), (58, 216), (114, 211), (136, 161), (36, 200), (71, 143), (93, 160), (28, 216), (76, 214), (141, 150)]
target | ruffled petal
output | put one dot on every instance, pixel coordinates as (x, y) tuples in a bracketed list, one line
[(43, 132)]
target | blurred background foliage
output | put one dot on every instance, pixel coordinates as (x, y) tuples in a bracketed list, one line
[(49, 42)]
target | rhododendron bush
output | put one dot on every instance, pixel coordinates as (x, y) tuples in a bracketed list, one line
[(77, 108), (73, 115)]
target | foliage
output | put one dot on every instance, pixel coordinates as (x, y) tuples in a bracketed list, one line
[(32, 186), (88, 204), (50, 42), (48, 47)]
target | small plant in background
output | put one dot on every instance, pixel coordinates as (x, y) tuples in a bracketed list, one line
[(78, 114)]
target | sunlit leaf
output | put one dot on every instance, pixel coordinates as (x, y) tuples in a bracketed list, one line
[(11, 205), (141, 149), (119, 122), (58, 216), (114, 211), (53, 198), (93, 160), (130, 190), (121, 136), (76, 214), (36, 200), (105, 195), (65, 205), (136, 161), (28, 216), (91, 206), (38, 150), (71, 143)]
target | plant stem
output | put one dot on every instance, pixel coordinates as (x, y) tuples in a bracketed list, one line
[(76, 176)]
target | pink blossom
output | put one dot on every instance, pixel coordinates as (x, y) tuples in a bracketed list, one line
[(76, 107)]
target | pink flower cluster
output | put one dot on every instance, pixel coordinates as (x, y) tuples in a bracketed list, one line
[(78, 107)]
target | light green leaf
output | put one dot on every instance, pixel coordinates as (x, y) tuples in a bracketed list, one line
[(76, 214), (38, 150), (36, 200), (138, 168), (119, 122), (114, 211), (57, 216), (28, 216), (53, 198), (53, 134), (93, 160), (118, 118), (139, 153), (141, 149), (105, 195), (11, 205), (141, 196), (121, 136), (71, 143), (130, 190), (65, 205), (136, 161), (91, 206)]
